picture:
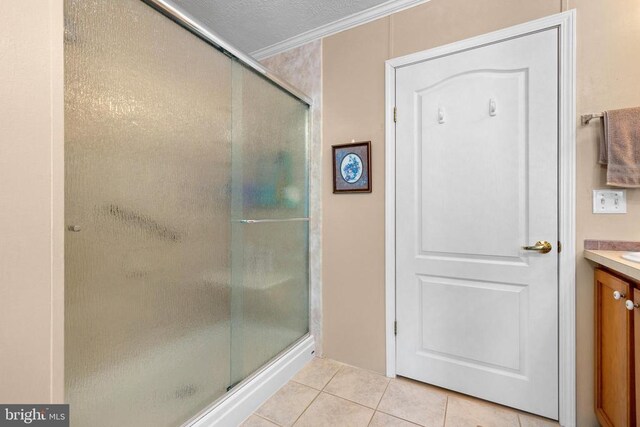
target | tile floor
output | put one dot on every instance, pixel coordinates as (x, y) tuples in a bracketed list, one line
[(328, 393)]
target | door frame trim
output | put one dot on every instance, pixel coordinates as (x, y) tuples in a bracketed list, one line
[(565, 22)]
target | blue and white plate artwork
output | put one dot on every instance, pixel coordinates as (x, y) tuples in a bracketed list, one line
[(351, 168)]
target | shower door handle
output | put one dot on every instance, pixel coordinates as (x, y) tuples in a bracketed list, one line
[(258, 221)]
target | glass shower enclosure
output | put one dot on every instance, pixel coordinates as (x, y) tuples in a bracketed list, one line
[(186, 192)]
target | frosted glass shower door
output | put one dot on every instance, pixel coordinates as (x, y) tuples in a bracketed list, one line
[(270, 266), (148, 169)]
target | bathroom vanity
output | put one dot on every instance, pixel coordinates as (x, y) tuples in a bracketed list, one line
[(617, 335)]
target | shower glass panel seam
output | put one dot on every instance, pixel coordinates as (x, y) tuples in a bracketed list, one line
[(190, 23)]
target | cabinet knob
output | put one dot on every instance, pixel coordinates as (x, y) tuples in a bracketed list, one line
[(618, 295), (631, 305)]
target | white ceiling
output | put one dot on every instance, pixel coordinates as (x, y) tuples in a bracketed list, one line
[(251, 25)]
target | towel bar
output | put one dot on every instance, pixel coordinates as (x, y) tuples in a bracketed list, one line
[(586, 118)]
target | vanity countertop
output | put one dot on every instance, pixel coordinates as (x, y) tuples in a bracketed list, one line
[(614, 261)]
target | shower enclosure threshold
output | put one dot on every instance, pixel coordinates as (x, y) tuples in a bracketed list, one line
[(233, 408)]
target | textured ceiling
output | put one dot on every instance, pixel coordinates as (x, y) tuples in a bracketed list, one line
[(254, 24)]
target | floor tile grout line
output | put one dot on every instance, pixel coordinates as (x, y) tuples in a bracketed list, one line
[(321, 388), (348, 400), (398, 417), (306, 408), (380, 400), (315, 398), (266, 419), (413, 423), (446, 409), (373, 414), (303, 411), (332, 377), (352, 401), (306, 385), (402, 418), (383, 393)]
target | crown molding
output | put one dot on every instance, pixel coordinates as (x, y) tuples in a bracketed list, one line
[(359, 18)]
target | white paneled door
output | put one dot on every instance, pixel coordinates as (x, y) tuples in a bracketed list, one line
[(476, 183)]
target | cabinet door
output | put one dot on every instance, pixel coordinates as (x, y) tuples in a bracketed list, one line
[(614, 340)]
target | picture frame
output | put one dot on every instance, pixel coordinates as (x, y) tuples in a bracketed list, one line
[(352, 167)]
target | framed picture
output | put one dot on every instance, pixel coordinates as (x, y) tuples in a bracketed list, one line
[(352, 168)]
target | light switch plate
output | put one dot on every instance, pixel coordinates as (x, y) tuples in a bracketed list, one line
[(609, 201)]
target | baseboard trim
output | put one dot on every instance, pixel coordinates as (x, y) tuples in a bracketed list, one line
[(242, 403)]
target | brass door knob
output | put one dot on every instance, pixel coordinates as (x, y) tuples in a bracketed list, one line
[(541, 246)]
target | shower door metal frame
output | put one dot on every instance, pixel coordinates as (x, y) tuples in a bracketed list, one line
[(188, 22)]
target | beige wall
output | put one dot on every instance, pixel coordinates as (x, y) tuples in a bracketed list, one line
[(353, 108), (607, 78), (31, 197), (353, 279)]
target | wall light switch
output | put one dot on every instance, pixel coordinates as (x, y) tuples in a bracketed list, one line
[(609, 201)]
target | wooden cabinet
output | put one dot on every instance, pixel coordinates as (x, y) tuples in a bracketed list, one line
[(615, 355), (636, 341)]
